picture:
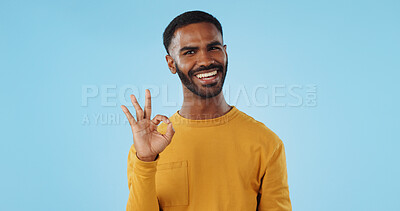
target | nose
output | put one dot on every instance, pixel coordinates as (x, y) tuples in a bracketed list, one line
[(205, 59)]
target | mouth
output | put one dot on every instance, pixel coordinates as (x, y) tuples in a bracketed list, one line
[(206, 74), (208, 77)]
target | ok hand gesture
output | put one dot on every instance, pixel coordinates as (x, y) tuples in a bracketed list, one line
[(148, 141)]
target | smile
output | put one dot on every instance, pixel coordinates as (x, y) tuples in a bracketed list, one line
[(206, 75)]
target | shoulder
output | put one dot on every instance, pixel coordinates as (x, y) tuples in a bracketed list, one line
[(263, 133)]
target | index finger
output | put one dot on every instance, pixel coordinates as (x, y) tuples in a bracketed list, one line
[(147, 105)]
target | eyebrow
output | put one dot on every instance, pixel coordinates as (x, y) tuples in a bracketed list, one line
[(194, 48)]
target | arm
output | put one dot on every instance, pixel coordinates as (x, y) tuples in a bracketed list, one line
[(141, 183), (274, 191), (143, 156)]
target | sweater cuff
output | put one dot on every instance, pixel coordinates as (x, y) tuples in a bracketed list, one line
[(145, 168)]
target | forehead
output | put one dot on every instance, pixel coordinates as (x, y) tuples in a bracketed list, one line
[(195, 34)]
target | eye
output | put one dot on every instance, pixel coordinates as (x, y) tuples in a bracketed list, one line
[(189, 52), (214, 48)]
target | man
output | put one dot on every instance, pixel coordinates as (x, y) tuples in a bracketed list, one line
[(208, 155)]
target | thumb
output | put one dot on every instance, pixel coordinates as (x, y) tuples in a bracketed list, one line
[(170, 132)]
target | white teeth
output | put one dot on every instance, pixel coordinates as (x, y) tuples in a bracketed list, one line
[(204, 75)]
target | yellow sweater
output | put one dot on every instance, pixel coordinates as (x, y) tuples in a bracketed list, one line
[(232, 162)]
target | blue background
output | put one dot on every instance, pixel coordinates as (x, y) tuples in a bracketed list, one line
[(342, 152)]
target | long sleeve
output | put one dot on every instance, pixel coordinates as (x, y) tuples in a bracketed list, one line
[(274, 191), (141, 183)]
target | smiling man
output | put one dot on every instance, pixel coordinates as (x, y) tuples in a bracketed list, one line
[(208, 155)]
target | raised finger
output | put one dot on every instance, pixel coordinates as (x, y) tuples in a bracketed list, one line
[(128, 115), (147, 105), (139, 111)]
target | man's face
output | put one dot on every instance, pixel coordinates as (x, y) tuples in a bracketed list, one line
[(199, 57)]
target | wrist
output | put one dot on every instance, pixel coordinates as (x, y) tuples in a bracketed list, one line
[(147, 159)]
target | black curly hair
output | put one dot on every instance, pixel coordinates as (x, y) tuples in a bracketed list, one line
[(185, 19)]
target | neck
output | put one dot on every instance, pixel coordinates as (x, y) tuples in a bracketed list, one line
[(195, 107)]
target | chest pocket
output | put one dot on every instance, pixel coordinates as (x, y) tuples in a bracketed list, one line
[(172, 184)]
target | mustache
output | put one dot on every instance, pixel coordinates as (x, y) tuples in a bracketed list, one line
[(211, 66)]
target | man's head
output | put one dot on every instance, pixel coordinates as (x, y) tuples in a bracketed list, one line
[(194, 43)]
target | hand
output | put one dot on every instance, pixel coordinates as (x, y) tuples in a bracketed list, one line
[(147, 140)]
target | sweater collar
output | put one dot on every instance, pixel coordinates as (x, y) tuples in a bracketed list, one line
[(224, 119)]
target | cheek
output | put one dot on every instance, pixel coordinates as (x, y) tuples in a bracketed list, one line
[(220, 57), (185, 65)]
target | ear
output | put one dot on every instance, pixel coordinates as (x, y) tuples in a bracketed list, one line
[(226, 54), (171, 63)]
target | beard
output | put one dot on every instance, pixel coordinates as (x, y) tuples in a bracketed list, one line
[(205, 91)]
